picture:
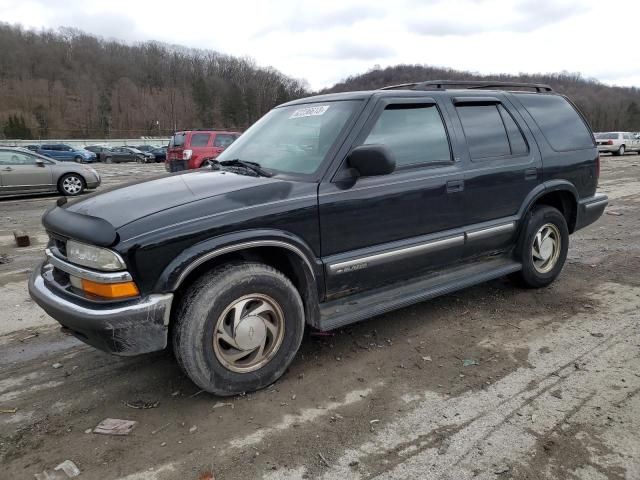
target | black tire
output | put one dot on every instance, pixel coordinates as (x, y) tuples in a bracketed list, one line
[(538, 217), (203, 306), (78, 159), (108, 160), (71, 184), (620, 151)]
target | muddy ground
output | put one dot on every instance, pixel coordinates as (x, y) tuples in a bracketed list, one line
[(554, 393)]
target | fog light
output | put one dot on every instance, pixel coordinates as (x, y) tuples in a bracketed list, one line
[(110, 290)]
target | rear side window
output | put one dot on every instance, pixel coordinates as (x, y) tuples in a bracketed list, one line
[(561, 125), (200, 139), (177, 140), (516, 139), (485, 131), (414, 133), (223, 140)]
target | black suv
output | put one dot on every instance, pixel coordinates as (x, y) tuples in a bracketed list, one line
[(329, 210)]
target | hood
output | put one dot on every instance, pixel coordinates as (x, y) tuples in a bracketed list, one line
[(128, 203)]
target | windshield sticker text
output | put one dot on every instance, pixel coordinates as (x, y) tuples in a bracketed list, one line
[(310, 111)]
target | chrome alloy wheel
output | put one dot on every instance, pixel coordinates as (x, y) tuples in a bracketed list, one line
[(546, 248), (72, 185), (248, 333)]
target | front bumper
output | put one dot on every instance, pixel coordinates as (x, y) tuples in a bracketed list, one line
[(590, 209), (124, 328)]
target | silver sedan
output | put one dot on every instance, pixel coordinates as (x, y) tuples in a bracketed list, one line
[(26, 172)]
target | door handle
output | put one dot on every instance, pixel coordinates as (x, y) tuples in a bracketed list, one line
[(8, 169), (531, 174), (454, 186)]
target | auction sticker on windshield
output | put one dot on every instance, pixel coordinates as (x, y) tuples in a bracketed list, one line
[(310, 111)]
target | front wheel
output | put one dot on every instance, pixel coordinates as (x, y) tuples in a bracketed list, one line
[(108, 160), (238, 328), (542, 247), (71, 184), (78, 159)]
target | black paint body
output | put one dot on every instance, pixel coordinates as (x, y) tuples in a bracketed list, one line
[(164, 225)]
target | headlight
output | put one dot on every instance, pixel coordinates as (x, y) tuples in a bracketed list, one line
[(94, 257)]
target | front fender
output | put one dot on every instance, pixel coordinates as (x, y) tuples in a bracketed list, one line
[(191, 258)]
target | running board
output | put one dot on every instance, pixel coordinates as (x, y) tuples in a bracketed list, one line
[(361, 306)]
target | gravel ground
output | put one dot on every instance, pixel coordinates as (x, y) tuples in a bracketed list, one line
[(554, 393)]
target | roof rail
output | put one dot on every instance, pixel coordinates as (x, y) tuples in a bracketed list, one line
[(470, 84)]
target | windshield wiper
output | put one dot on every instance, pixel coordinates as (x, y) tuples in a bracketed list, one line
[(253, 166)]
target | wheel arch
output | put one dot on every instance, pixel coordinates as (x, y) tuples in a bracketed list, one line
[(559, 194), (285, 253)]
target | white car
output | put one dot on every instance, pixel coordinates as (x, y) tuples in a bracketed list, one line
[(617, 142)]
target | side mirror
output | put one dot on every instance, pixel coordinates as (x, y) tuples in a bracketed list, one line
[(372, 160), (39, 162)]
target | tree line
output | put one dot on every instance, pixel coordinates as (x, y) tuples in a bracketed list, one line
[(68, 84), (606, 108)]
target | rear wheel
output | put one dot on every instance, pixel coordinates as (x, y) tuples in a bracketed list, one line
[(542, 247), (239, 328), (71, 184), (620, 151)]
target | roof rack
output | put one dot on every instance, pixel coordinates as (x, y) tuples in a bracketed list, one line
[(470, 84)]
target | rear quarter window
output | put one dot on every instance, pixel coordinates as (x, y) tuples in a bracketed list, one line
[(560, 123)]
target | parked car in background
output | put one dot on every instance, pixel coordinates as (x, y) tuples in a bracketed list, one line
[(147, 157), (26, 172), (127, 154), (100, 150), (329, 210), (146, 148), (66, 153), (617, 142), (160, 153), (33, 148), (190, 149)]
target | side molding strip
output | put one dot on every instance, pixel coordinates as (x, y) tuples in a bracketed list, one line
[(241, 246), (491, 231), (380, 258)]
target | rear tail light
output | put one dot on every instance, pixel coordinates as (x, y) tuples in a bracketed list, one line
[(610, 142), (186, 154)]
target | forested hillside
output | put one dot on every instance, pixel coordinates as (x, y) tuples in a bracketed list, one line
[(69, 84), (607, 108)]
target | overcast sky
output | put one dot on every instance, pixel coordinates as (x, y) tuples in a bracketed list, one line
[(325, 41)]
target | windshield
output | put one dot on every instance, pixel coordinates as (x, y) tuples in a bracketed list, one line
[(607, 136), (292, 139)]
